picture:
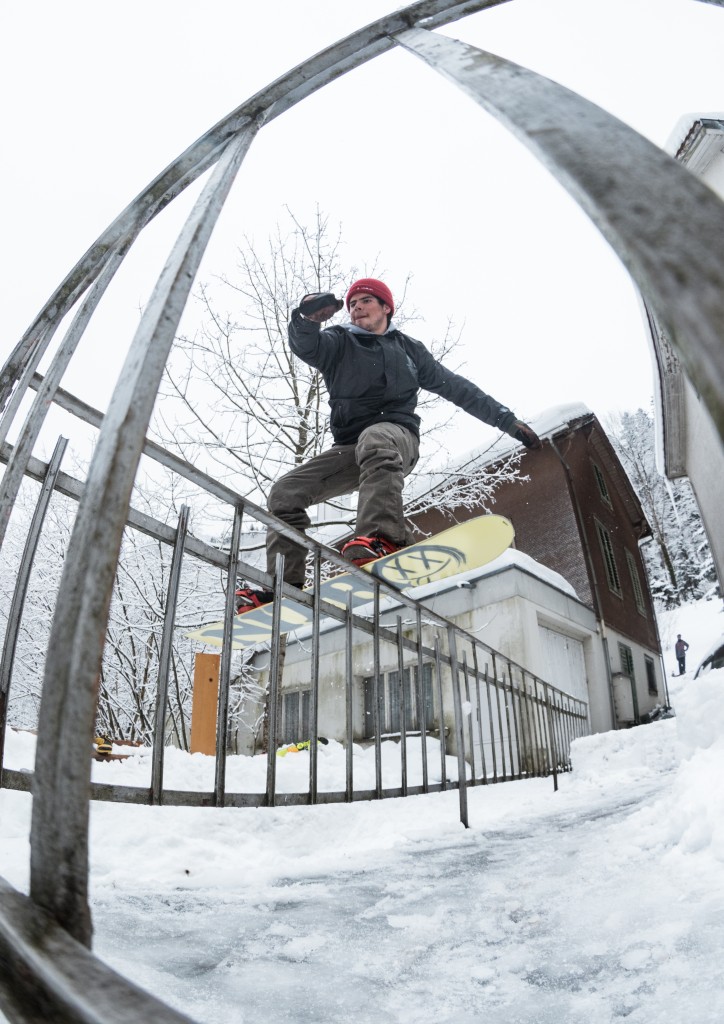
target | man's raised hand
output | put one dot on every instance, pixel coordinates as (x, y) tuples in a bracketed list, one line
[(320, 306)]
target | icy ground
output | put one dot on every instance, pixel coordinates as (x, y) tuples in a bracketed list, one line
[(602, 902)]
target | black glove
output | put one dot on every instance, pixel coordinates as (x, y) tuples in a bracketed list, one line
[(523, 433), (320, 307)]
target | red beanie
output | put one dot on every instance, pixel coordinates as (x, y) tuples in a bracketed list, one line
[(373, 287)]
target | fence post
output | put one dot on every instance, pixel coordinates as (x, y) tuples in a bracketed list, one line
[(552, 740), (164, 660), (275, 681), (21, 586), (459, 731)]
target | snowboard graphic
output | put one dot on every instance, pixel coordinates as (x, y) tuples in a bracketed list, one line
[(465, 546)]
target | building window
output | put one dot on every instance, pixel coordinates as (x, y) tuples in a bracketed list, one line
[(636, 582), (604, 537), (651, 676), (627, 668), (390, 700), (602, 488), (627, 665), (295, 716)]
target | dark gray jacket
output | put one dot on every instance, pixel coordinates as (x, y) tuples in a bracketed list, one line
[(375, 378)]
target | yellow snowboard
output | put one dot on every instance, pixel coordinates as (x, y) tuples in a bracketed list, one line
[(458, 549)]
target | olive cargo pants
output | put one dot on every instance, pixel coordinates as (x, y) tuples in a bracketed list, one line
[(376, 466)]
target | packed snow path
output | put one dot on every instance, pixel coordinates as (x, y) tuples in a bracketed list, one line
[(551, 920), (569, 907)]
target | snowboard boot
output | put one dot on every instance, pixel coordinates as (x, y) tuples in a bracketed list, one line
[(248, 598), (361, 550)]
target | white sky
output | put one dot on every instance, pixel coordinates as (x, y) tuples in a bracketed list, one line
[(98, 100), (600, 902)]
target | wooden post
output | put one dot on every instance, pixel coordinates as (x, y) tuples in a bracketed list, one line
[(204, 703)]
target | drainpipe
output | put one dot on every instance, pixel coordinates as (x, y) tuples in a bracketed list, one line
[(635, 699), (662, 663), (592, 576)]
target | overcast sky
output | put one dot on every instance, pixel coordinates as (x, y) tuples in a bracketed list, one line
[(99, 98)]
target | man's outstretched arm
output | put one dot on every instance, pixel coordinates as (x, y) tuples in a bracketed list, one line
[(435, 377)]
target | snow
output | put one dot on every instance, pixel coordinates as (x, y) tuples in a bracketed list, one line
[(509, 558), (195, 772), (600, 902)]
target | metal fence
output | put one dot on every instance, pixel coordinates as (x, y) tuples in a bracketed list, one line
[(495, 719), (665, 226)]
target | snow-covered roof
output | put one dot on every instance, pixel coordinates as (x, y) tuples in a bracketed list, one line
[(512, 558)]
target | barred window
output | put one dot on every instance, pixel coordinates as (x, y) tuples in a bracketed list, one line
[(604, 537), (627, 663), (636, 583), (389, 701), (602, 486), (295, 716), (651, 675)]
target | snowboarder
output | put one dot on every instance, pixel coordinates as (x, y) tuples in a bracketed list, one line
[(680, 649), (373, 373)]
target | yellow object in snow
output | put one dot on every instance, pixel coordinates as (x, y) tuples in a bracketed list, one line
[(294, 748)]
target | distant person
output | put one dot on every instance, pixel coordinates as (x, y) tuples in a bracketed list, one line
[(373, 373), (680, 649)]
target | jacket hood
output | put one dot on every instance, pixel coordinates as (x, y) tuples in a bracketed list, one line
[(354, 329)]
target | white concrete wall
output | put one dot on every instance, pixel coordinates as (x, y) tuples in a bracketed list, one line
[(505, 611), (623, 698)]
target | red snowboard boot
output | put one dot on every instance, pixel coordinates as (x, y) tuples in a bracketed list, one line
[(361, 550)]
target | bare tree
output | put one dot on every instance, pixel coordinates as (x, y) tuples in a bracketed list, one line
[(240, 396), (129, 673), (239, 402), (678, 561)]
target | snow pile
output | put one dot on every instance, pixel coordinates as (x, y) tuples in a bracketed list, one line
[(196, 772), (643, 752), (700, 707), (689, 820), (696, 816)]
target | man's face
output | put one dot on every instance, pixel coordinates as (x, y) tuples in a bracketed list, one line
[(368, 313)]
